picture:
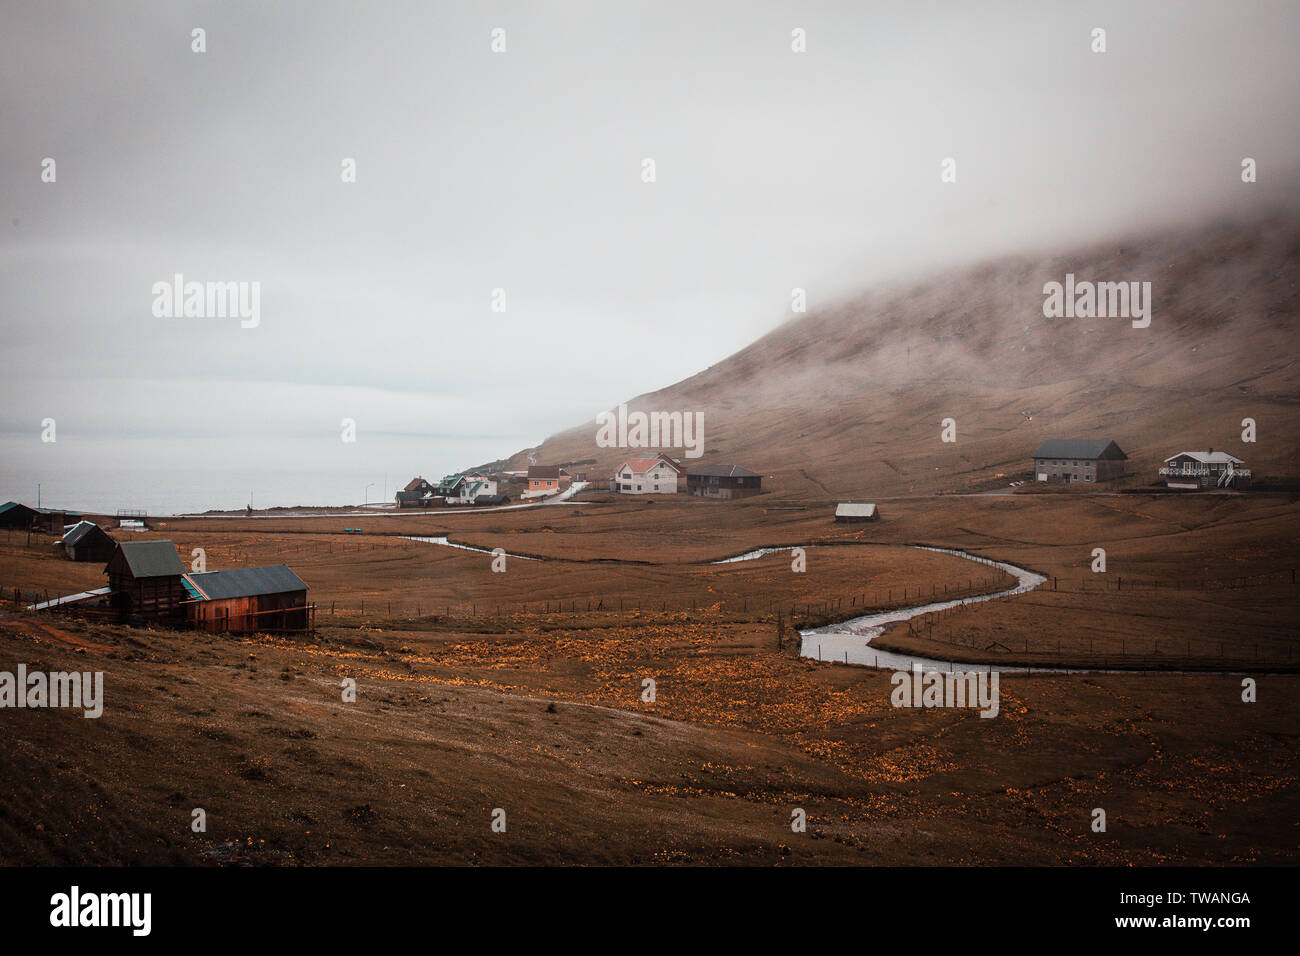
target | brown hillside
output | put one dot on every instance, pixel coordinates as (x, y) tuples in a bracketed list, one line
[(848, 401)]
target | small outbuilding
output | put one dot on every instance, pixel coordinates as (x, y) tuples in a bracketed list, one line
[(851, 512), (144, 577), (242, 600), (87, 541)]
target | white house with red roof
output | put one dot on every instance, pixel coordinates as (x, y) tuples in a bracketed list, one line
[(656, 475)]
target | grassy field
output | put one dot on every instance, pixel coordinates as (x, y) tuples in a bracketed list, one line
[(523, 691)]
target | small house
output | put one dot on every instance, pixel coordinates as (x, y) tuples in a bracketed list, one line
[(547, 479), (853, 512), (1205, 469), (87, 541), (474, 487), (723, 481)]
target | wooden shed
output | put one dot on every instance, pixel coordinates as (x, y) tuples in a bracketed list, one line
[(144, 577), (242, 600), (87, 541), (850, 512)]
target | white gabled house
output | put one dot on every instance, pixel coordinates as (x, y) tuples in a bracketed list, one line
[(475, 487), (657, 475), (1205, 469)]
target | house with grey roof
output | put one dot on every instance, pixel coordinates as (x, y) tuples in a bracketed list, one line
[(87, 541), (144, 578), (1078, 460), (1205, 469), (723, 481), (242, 600)]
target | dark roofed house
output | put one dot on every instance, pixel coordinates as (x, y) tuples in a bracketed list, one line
[(419, 493), (450, 486), (242, 600), (87, 541), (144, 577), (1078, 459), (723, 481), (15, 515)]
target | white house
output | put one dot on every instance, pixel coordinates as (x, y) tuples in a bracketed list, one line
[(647, 476), (477, 486), (465, 488), (1205, 469)]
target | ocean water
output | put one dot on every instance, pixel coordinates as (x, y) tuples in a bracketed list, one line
[(179, 477)]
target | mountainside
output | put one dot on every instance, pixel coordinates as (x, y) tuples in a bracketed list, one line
[(848, 401)]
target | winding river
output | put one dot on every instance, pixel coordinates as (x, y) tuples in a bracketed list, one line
[(849, 642)]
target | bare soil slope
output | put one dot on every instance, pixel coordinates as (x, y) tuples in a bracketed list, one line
[(849, 399)]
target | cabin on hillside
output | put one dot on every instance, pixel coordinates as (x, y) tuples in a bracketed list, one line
[(655, 475), (1078, 459), (144, 577), (852, 512), (87, 541), (1205, 469), (723, 481), (243, 600)]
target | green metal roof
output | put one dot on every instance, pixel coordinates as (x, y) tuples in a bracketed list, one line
[(151, 559)]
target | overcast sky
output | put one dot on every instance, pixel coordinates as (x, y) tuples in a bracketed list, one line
[(522, 170)]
